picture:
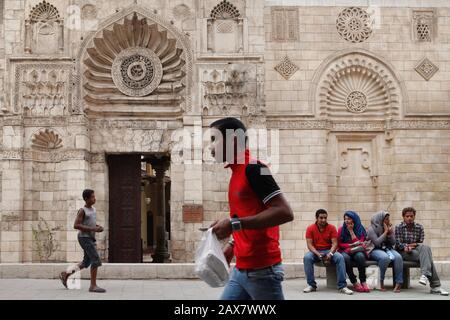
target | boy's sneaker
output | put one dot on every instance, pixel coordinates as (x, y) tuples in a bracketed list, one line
[(439, 290), (423, 280), (309, 289), (346, 290)]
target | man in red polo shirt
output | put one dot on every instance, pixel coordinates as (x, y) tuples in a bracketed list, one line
[(257, 208), (321, 239)]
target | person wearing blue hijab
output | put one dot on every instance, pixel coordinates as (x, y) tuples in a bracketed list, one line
[(351, 237), (358, 228)]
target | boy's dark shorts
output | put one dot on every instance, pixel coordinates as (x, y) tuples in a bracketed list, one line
[(91, 257)]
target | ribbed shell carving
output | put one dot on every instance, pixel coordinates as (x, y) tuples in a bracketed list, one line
[(134, 62), (46, 140), (357, 86), (44, 11)]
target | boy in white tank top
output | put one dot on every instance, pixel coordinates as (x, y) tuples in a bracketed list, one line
[(86, 223)]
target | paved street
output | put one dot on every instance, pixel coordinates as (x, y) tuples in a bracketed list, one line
[(183, 290)]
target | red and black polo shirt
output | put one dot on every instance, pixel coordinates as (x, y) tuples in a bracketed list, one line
[(251, 188)]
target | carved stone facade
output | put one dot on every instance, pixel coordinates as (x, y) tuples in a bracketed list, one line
[(355, 111)]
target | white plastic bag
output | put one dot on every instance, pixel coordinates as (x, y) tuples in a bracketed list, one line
[(373, 277), (210, 263)]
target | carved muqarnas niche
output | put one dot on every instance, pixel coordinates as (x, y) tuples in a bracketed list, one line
[(225, 10), (44, 30), (423, 25), (134, 59), (43, 92), (354, 24), (228, 91), (225, 29), (46, 140)]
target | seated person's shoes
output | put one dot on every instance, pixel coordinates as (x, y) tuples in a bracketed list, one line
[(439, 290), (309, 289)]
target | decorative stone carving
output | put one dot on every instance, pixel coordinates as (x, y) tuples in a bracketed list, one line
[(423, 25), (225, 29), (358, 158), (46, 140), (89, 12), (44, 30), (132, 124), (42, 89), (44, 11), (98, 158), (134, 59), (163, 99), (225, 10), (12, 155), (363, 126), (356, 102), (181, 12), (358, 84), (56, 156), (286, 68), (137, 72), (426, 69), (421, 124), (229, 90), (354, 24), (285, 24)]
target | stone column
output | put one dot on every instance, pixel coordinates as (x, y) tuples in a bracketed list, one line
[(75, 172), (162, 254), (11, 214), (27, 36), (61, 36)]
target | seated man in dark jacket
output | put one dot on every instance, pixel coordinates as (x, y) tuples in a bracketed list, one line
[(409, 237)]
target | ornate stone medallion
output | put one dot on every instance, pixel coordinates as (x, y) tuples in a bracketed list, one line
[(354, 25), (137, 71), (356, 102)]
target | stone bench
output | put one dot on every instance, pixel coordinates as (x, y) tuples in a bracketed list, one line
[(332, 276)]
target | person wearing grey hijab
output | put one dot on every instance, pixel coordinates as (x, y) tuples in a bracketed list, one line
[(382, 236)]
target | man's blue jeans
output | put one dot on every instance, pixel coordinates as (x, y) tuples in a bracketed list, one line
[(337, 259), (261, 284), (383, 260)]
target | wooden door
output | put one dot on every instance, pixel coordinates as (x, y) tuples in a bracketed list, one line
[(125, 209)]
